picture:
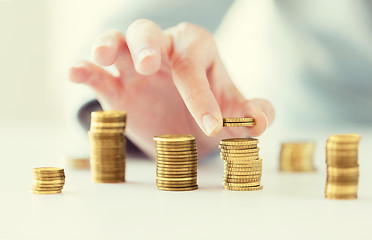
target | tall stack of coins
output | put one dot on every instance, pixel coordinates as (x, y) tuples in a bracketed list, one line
[(108, 146), (243, 166), (297, 156), (48, 180), (238, 122), (177, 162), (342, 166)]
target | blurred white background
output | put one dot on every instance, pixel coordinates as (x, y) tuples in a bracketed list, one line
[(39, 40)]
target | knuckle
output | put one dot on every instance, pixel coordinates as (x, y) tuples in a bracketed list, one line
[(182, 64)]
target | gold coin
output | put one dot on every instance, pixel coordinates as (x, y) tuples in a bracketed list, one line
[(109, 170), (176, 175), (177, 166), (242, 165), (36, 178), (176, 169), (237, 147), (238, 124), (236, 120), (107, 176), (108, 180), (240, 151), (238, 141), (175, 179), (168, 182), (108, 114), (234, 170), (46, 187), (341, 181), (36, 188), (245, 162), (341, 196), (255, 165), (178, 162), (175, 186), (48, 176), (244, 188), (176, 150), (178, 188), (106, 135), (243, 174), (164, 172), (344, 138), (341, 171), (177, 157), (48, 170), (342, 147), (229, 176), (46, 192), (299, 144), (188, 145), (172, 153), (107, 129), (235, 159), (241, 180), (341, 189), (239, 154), (250, 184), (107, 124), (172, 138), (109, 164), (58, 181), (341, 164)]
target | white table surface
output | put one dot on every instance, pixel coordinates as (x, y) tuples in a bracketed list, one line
[(291, 206)]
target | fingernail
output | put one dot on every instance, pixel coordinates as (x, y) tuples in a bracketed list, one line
[(144, 53), (209, 123)]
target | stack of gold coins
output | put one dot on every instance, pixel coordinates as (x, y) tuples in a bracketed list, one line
[(108, 146), (48, 180), (243, 166), (238, 122), (342, 166), (297, 156), (177, 162)]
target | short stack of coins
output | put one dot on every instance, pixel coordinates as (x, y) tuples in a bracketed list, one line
[(243, 166), (176, 162), (297, 156), (108, 146), (238, 122), (342, 166), (48, 180)]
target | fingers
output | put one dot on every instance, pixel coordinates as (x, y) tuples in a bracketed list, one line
[(263, 113), (193, 53), (106, 47), (103, 83), (146, 41)]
